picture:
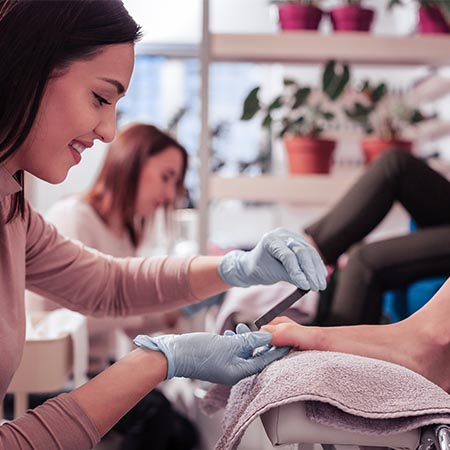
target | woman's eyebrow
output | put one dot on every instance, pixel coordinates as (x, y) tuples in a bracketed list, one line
[(115, 83)]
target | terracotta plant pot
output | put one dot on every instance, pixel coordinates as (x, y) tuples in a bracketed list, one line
[(373, 147), (293, 16), (431, 20), (309, 155), (351, 18)]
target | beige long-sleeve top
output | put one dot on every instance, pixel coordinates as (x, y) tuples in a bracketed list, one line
[(34, 256), (76, 219)]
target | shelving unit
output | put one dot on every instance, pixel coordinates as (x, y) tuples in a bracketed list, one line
[(314, 47), (307, 189), (304, 47)]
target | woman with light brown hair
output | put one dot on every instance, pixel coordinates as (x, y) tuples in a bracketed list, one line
[(143, 172)]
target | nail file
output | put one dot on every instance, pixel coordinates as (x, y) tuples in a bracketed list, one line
[(280, 307)]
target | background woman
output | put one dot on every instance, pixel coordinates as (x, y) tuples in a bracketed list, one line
[(143, 172)]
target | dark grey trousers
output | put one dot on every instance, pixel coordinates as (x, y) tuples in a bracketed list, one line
[(392, 263)]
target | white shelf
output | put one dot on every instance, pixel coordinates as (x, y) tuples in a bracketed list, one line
[(302, 47), (313, 47), (299, 189)]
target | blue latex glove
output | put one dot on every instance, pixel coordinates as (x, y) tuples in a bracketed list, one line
[(242, 328), (211, 357), (281, 255)]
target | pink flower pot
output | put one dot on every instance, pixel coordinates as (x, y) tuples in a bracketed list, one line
[(298, 17), (351, 18), (431, 20)]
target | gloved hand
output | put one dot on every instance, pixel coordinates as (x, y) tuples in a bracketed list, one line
[(211, 357), (242, 328), (281, 255)]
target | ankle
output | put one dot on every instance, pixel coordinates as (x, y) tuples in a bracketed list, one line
[(435, 339), (316, 338)]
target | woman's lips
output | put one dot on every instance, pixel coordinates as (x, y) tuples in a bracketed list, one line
[(75, 154)]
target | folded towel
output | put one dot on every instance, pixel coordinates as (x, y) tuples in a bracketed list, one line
[(343, 391)]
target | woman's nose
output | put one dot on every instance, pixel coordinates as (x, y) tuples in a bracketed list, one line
[(106, 128), (171, 193)]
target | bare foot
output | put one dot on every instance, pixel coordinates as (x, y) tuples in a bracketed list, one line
[(404, 343)]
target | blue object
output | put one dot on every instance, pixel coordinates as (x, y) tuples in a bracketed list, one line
[(399, 304), (193, 309)]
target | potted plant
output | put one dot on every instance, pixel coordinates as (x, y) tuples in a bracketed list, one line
[(298, 116), (433, 15), (351, 16), (384, 119), (298, 14)]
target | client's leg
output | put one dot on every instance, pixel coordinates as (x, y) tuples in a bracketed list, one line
[(420, 342), (385, 265), (396, 176)]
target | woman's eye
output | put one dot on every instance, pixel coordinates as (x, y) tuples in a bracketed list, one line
[(101, 101)]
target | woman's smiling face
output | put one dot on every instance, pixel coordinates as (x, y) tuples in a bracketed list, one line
[(78, 107)]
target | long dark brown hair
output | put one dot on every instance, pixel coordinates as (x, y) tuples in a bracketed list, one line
[(118, 179), (38, 38)]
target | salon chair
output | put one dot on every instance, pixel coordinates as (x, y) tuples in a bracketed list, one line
[(289, 425), (47, 362)]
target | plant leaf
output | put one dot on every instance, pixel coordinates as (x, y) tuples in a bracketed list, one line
[(267, 121), (301, 96), (277, 103), (289, 82), (251, 105), (359, 111), (379, 92), (297, 122), (334, 83), (328, 75), (284, 130), (393, 3), (343, 81), (327, 115), (316, 131)]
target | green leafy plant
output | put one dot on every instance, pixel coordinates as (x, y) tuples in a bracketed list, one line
[(381, 114), (300, 110)]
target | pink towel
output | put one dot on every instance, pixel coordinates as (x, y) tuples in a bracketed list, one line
[(343, 391)]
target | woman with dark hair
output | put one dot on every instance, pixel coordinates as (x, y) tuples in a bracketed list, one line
[(64, 65)]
